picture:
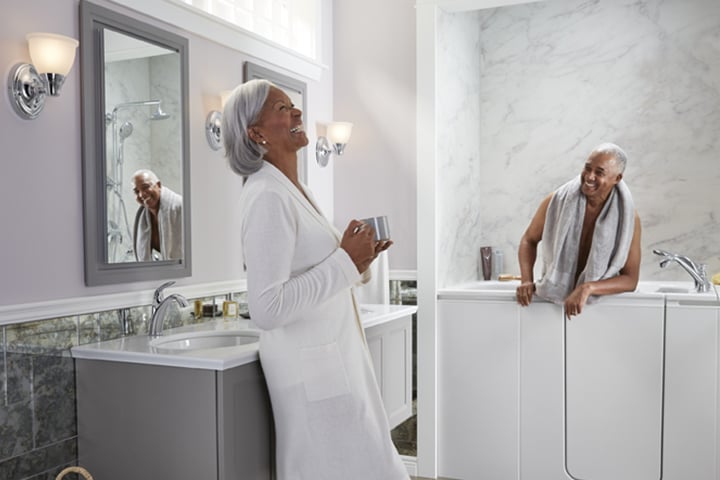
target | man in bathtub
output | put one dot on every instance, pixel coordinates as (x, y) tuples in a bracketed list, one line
[(158, 232), (590, 235)]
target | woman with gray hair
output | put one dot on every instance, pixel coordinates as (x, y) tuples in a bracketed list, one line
[(330, 422)]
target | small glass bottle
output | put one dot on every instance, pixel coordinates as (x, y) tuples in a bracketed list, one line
[(498, 263)]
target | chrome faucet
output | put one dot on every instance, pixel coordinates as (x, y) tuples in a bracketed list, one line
[(160, 306), (698, 272)]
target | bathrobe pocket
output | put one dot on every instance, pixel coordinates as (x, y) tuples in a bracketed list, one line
[(323, 372)]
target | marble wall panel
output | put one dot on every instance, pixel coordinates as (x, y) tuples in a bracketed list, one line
[(557, 78)]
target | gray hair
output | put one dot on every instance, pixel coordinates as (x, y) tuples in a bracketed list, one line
[(618, 154), (241, 111), (147, 173)]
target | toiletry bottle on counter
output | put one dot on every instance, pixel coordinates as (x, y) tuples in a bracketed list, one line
[(498, 263), (485, 262)]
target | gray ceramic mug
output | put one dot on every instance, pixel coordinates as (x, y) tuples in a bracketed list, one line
[(381, 226)]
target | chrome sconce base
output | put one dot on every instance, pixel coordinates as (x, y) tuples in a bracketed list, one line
[(323, 150), (337, 135), (213, 130), (28, 89)]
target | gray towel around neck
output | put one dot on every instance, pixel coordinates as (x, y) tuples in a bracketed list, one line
[(611, 239)]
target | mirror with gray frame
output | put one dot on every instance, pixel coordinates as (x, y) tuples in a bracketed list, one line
[(295, 89), (136, 182)]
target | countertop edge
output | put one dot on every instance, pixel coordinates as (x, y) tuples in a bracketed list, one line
[(213, 359)]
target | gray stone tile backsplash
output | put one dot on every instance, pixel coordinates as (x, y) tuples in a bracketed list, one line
[(38, 426)]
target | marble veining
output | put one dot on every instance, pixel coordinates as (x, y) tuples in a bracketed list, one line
[(554, 79)]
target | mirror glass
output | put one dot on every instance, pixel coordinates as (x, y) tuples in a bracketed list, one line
[(135, 149), (143, 131)]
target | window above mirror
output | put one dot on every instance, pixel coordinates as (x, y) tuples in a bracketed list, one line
[(292, 24), (196, 21)]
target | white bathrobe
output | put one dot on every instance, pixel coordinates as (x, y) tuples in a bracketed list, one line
[(169, 226), (330, 422)]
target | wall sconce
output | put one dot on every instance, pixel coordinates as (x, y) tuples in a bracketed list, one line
[(213, 123), (53, 57), (338, 135)]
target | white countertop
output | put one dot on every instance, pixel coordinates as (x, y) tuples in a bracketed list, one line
[(138, 349)]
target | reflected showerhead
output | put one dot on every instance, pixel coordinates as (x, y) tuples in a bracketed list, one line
[(158, 114), (126, 130)]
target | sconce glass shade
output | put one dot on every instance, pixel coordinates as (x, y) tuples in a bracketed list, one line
[(339, 132), (52, 53), (53, 56), (338, 135), (224, 95)]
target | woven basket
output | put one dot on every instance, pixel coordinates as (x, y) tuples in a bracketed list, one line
[(79, 470)]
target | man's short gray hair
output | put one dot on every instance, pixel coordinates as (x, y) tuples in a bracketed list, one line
[(241, 111), (618, 154), (149, 174)]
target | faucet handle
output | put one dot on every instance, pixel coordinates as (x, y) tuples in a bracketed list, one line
[(158, 295), (702, 270), (704, 285)]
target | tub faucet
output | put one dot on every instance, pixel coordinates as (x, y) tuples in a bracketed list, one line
[(698, 272), (160, 307)]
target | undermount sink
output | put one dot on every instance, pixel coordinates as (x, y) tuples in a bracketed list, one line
[(185, 342)]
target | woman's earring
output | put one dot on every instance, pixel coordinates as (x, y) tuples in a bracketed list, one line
[(264, 142)]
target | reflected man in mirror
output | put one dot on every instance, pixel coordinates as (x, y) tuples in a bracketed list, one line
[(590, 233), (158, 232)]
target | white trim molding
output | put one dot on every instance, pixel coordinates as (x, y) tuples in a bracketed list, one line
[(403, 275), (468, 5), (65, 307)]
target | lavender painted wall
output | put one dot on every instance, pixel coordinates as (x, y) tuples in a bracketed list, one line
[(374, 65), (41, 246)]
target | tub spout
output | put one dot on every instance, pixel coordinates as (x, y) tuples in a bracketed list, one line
[(698, 272)]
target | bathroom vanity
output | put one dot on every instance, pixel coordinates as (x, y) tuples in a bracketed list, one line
[(626, 390), (188, 406)]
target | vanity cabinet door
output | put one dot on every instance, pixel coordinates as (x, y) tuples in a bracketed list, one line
[(157, 422), (146, 421), (478, 389), (390, 346), (691, 392)]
